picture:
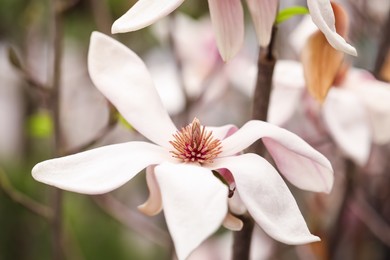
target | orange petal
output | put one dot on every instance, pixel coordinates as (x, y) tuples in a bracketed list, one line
[(321, 63), (385, 70)]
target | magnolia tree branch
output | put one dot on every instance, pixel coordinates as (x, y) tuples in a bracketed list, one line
[(133, 220), (370, 217), (57, 34), (266, 64), (23, 199), (101, 15), (335, 238), (102, 133)]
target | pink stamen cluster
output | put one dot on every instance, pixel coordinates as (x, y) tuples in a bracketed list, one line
[(194, 143)]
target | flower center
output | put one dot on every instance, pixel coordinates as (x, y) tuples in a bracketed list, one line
[(194, 143)]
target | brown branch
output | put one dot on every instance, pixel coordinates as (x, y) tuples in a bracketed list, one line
[(25, 73), (102, 133), (133, 220), (266, 65), (101, 15), (335, 237), (57, 197), (374, 222), (23, 199)]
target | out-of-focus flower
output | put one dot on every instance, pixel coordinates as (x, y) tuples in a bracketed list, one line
[(228, 21), (356, 112), (322, 63), (194, 71), (180, 164)]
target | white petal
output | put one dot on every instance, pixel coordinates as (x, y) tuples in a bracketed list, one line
[(267, 198), (124, 80), (144, 13), (322, 15), (375, 96), (232, 223), (289, 84), (263, 14), (222, 132), (99, 170), (153, 205), (227, 17), (348, 123), (195, 204), (300, 163)]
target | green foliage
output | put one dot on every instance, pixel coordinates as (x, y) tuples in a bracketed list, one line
[(99, 236), (290, 12), (40, 125)]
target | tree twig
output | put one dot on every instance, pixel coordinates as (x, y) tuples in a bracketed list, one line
[(266, 65), (133, 220), (57, 34), (102, 133), (367, 214), (23, 199)]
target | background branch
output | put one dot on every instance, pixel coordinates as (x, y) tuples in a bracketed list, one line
[(133, 220)]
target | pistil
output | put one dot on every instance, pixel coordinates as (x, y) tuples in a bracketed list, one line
[(194, 143)]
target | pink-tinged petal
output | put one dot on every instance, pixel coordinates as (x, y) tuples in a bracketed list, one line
[(153, 205), (232, 223), (227, 17), (289, 84), (123, 79), (267, 198), (195, 204), (322, 15), (300, 163), (222, 132), (263, 14), (100, 170), (375, 96), (197, 50), (348, 123), (144, 13)]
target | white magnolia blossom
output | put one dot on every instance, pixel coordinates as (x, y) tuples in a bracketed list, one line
[(180, 164), (356, 112), (227, 17)]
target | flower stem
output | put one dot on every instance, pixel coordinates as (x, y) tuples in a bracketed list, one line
[(266, 64), (57, 232)]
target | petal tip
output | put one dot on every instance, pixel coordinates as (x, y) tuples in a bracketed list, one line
[(146, 210)]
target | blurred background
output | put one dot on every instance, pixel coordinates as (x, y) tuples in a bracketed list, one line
[(109, 226)]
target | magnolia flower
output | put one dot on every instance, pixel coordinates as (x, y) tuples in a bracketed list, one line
[(356, 112), (181, 165), (227, 17)]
